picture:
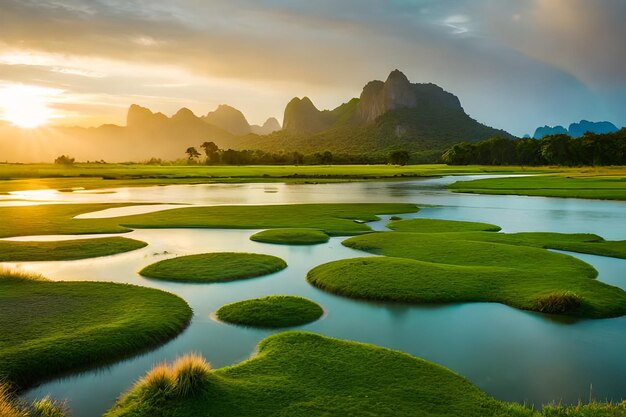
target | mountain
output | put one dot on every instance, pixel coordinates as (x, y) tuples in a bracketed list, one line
[(302, 117), (229, 119), (390, 114), (584, 126), (576, 129), (549, 130), (271, 125)]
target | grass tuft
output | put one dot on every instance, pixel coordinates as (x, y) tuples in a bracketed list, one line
[(192, 372), (10, 406), (186, 377), (559, 303), (7, 274), (159, 381), (49, 408)]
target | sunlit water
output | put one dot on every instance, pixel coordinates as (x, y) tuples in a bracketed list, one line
[(511, 354)]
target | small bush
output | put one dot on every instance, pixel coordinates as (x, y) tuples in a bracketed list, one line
[(64, 160), (192, 372), (395, 218), (559, 303)]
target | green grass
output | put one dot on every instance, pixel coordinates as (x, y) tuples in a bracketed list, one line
[(439, 226), (435, 268), (56, 219), (291, 236), (304, 374), (333, 219), (595, 187), (272, 312), (593, 409), (51, 328), (214, 267), (573, 242), (65, 250)]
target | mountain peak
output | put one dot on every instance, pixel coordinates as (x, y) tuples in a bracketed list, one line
[(228, 118), (184, 113), (397, 76), (302, 116)]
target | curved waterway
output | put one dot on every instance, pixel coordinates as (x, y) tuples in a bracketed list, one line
[(511, 354)]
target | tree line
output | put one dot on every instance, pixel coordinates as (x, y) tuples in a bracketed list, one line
[(211, 154), (588, 150)]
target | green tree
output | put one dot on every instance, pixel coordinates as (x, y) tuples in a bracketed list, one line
[(192, 153), (399, 158), (212, 152)]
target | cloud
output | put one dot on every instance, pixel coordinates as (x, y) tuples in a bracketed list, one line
[(514, 63)]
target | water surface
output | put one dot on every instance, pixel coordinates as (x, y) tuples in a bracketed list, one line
[(511, 354)]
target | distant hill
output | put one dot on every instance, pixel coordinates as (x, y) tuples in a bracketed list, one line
[(394, 114), (576, 129), (234, 122)]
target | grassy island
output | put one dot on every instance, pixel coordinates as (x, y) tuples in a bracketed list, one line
[(293, 236), (440, 226), (107, 322), (449, 268), (273, 312), (332, 219), (214, 267), (66, 250), (304, 374)]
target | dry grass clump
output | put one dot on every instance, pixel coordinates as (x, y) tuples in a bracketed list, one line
[(10, 406), (187, 376), (48, 408), (559, 303), (8, 273)]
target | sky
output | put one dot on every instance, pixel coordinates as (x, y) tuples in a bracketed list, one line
[(515, 64)]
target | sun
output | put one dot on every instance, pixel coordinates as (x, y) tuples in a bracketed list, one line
[(26, 106)]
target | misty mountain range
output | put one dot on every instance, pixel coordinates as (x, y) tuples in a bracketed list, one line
[(576, 130), (388, 115)]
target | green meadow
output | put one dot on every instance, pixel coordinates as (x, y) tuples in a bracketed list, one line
[(214, 267), (19, 177), (272, 312), (576, 186), (51, 328)]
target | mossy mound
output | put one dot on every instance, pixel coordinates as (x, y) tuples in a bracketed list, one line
[(214, 267), (274, 311), (435, 268), (49, 328), (291, 236), (304, 374)]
